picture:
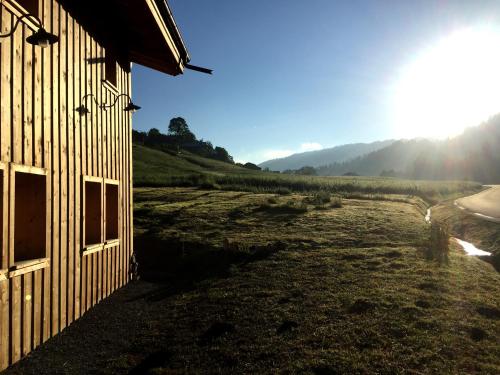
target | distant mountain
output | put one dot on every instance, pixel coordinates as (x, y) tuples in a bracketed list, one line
[(326, 156), (473, 155), (396, 158)]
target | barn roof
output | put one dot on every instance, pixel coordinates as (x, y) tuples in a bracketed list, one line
[(140, 31), (158, 43)]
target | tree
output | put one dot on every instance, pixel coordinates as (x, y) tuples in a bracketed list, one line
[(179, 129), (179, 138), (389, 173), (220, 153), (306, 171), (138, 137), (251, 166), (154, 137)]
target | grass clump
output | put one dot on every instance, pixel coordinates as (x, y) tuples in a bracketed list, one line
[(272, 200), (336, 202), (323, 200), (320, 198), (294, 206), (439, 243), (291, 206)]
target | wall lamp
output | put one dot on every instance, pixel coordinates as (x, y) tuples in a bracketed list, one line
[(83, 110), (41, 37), (130, 107)]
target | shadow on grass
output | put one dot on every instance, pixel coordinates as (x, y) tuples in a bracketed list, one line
[(154, 360), (289, 208), (179, 265), (494, 260)]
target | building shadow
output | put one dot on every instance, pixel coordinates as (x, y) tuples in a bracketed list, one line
[(177, 266)]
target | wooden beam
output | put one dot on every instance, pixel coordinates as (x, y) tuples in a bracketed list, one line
[(33, 266)]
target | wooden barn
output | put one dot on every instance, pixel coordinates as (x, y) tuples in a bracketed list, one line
[(65, 155)]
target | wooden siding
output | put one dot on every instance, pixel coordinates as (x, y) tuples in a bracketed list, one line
[(39, 91)]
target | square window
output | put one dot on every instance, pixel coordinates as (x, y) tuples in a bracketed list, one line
[(92, 219), (111, 211), (29, 207), (110, 68)]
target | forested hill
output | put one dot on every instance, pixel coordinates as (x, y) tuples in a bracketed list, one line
[(473, 155), (336, 154), (180, 137)]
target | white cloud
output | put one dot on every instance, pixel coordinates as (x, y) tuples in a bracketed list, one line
[(310, 146), (261, 155), (275, 154), (269, 154)]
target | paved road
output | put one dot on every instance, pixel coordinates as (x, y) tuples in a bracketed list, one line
[(485, 203)]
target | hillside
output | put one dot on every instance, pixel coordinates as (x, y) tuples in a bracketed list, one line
[(336, 154), (153, 168), (397, 157), (473, 155), (157, 168)]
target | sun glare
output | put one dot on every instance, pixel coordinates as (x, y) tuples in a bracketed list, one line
[(450, 86)]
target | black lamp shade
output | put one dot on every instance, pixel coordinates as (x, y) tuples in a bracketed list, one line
[(82, 110), (131, 107), (42, 38)]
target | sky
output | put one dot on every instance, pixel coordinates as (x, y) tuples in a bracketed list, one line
[(293, 75)]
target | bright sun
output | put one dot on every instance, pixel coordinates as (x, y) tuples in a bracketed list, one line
[(452, 85)]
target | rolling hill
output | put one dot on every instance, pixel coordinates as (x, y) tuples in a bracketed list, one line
[(326, 156), (153, 167), (473, 155)]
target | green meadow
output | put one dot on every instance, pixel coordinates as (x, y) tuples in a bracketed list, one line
[(309, 274), (259, 282), (255, 272), (153, 168)]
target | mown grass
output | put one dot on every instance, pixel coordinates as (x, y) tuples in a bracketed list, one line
[(154, 168), (230, 285), (340, 290)]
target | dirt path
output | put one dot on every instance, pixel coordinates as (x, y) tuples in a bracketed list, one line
[(485, 204)]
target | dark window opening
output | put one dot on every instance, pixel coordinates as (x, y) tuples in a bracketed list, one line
[(110, 68), (30, 213), (93, 215), (111, 212)]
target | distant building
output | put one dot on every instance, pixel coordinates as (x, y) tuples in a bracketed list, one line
[(66, 156)]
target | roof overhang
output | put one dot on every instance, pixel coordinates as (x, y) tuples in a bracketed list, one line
[(140, 31), (157, 42)]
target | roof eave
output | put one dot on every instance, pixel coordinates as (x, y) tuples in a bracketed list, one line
[(164, 19)]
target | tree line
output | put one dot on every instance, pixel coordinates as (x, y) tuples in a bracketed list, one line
[(180, 137)]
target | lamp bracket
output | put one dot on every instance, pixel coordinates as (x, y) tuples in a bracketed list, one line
[(19, 19)]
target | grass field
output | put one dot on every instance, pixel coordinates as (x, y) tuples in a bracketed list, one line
[(284, 274), (321, 290), (154, 168), (236, 282)]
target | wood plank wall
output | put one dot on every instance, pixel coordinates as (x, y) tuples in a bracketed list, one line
[(39, 90)]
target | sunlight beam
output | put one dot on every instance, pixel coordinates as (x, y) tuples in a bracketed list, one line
[(450, 86)]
